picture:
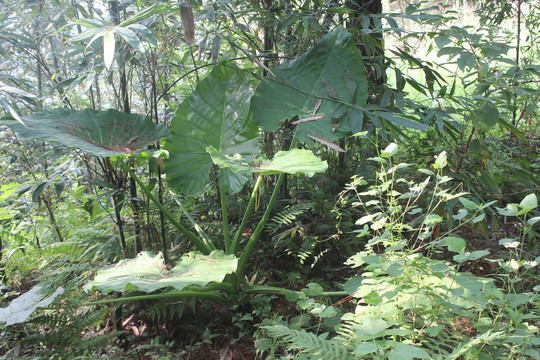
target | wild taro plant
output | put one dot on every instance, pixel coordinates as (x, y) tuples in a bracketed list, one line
[(409, 305), (216, 127)]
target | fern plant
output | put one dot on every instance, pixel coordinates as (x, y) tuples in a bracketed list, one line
[(288, 216), (309, 345), (67, 327)]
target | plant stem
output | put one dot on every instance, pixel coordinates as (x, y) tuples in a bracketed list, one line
[(264, 289), (237, 236), (119, 222), (162, 217), (518, 45), (205, 248), (136, 214), (465, 150), (246, 253), (225, 219), (53, 219), (211, 295)]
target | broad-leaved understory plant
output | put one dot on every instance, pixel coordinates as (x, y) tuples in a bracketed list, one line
[(216, 127), (409, 304)]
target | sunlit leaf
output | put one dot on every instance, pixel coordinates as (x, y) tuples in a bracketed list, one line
[(528, 203), (441, 161), (509, 210), (22, 307), (371, 326), (148, 273), (109, 45), (390, 150)]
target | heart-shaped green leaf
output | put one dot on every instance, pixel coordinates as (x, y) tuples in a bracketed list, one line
[(147, 272), (215, 114), (328, 76), (99, 133)]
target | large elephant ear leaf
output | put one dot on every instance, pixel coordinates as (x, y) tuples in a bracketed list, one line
[(99, 133), (323, 88), (215, 114), (148, 273)]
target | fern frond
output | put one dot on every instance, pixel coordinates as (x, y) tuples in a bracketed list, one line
[(71, 250), (98, 341), (485, 338), (310, 344), (288, 215), (318, 257), (305, 250), (163, 311)]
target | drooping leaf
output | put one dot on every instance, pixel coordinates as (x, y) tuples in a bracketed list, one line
[(324, 78), (109, 45), (22, 307), (233, 181), (99, 133), (330, 144), (470, 256), (365, 348), (216, 114), (130, 37), (465, 61), (469, 205), (186, 13), (144, 32), (509, 210), (148, 273), (290, 162), (142, 15), (401, 120), (12, 111), (59, 188)]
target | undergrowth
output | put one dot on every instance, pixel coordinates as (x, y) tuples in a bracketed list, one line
[(412, 300)]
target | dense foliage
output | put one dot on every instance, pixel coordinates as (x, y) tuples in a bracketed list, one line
[(273, 180)]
